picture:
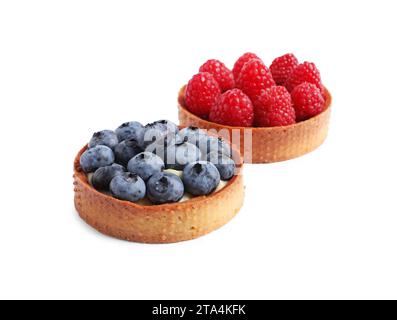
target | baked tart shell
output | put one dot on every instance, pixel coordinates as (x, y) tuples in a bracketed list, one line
[(271, 144), (165, 223)]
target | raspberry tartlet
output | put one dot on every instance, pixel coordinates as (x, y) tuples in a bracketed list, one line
[(176, 185), (272, 114)]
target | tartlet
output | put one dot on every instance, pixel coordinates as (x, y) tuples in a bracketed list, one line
[(270, 144), (166, 223)]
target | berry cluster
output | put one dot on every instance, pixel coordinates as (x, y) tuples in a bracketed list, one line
[(157, 161), (253, 95)]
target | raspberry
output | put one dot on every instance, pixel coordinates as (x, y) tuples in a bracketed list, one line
[(221, 73), (254, 79), (234, 108), (202, 92), (282, 67), (241, 62), (308, 101), (274, 108), (305, 72)]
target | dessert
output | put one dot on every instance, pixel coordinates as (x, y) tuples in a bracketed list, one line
[(158, 185), (271, 114)]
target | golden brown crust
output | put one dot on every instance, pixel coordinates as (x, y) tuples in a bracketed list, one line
[(165, 223), (271, 144)]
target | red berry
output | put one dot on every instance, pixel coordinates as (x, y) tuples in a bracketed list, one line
[(234, 108), (282, 67), (221, 73), (308, 101), (305, 72), (254, 79), (274, 108), (241, 62), (202, 92)]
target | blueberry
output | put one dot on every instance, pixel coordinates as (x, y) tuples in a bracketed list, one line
[(177, 156), (106, 138), (192, 135), (201, 178), (224, 164), (165, 187), (210, 144), (102, 176), (128, 186), (165, 125), (126, 150), (94, 158), (160, 145), (145, 164), (130, 130), (157, 130)]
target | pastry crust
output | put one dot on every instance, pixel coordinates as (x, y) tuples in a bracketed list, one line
[(270, 144), (165, 223)]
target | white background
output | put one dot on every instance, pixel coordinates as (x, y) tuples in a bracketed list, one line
[(321, 226)]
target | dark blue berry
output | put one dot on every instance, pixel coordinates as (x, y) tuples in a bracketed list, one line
[(145, 164), (94, 158), (165, 187), (126, 150), (160, 145), (157, 130), (225, 165), (130, 130), (201, 178), (102, 176), (106, 138), (214, 144), (128, 186), (179, 155), (192, 135)]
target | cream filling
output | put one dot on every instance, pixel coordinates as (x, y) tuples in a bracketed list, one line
[(146, 202)]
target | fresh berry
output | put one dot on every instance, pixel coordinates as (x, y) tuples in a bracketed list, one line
[(177, 156), (213, 144), (128, 186), (202, 92), (161, 144), (105, 138), (145, 164), (165, 187), (254, 79), (274, 108), (224, 164), (282, 67), (221, 73), (200, 178), (305, 72), (158, 130), (130, 130), (126, 150), (164, 126), (192, 135), (241, 62), (308, 101), (103, 176), (94, 158), (234, 108)]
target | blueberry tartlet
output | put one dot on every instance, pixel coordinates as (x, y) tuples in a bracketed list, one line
[(157, 183)]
